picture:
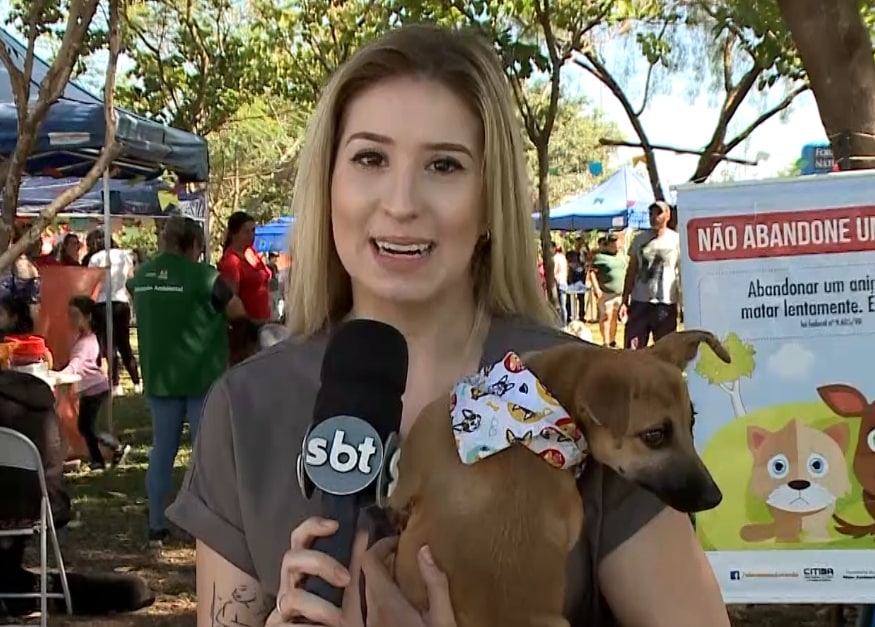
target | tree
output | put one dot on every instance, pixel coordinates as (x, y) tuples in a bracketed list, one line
[(835, 45), (728, 376), (36, 17), (749, 55), (574, 143)]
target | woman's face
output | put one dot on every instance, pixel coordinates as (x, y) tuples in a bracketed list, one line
[(245, 237), (407, 190), (71, 247)]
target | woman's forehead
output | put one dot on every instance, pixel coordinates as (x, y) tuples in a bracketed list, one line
[(412, 110)]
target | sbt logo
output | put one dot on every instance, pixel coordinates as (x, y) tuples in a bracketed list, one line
[(340, 455)]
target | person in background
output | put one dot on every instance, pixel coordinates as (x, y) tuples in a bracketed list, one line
[(274, 285), (244, 270), (651, 292), (607, 278), (70, 250), (85, 362), (21, 281), (574, 303), (121, 268), (560, 275), (182, 307), (15, 317)]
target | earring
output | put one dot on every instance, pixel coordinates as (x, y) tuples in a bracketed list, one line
[(487, 236)]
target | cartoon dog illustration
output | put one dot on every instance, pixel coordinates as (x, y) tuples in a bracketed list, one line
[(799, 472), (524, 439), (470, 422), (848, 402)]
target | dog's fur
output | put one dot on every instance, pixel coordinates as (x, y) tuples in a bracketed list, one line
[(502, 528)]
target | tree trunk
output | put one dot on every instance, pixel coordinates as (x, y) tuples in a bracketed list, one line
[(836, 48), (16, 166), (541, 147), (733, 389)]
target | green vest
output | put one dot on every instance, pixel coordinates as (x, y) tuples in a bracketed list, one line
[(183, 340)]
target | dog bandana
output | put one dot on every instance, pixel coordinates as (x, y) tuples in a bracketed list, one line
[(505, 404)]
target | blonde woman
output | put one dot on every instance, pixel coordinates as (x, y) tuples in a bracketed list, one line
[(412, 207)]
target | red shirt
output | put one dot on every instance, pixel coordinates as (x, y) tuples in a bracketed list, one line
[(252, 278)]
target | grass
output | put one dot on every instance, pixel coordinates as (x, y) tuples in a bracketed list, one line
[(109, 534)]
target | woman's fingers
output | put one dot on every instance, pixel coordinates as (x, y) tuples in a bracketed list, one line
[(312, 528), (440, 608), (303, 563), (297, 604)]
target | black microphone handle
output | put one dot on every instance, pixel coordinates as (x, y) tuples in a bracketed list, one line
[(345, 511)]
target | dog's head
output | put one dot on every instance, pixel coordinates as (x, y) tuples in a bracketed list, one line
[(635, 410)]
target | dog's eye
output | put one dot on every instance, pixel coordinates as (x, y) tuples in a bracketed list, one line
[(654, 438)]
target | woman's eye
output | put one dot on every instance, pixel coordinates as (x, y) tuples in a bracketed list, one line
[(445, 165), (369, 159)]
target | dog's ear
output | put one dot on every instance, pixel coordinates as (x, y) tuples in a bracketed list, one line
[(681, 347), (604, 397)]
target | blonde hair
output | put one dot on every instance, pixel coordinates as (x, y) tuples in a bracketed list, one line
[(506, 280)]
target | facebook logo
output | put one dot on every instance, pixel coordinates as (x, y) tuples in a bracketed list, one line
[(734, 575)]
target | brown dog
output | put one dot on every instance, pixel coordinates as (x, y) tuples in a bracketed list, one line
[(501, 528)]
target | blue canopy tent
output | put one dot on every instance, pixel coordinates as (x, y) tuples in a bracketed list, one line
[(127, 198), (273, 237), (618, 202), (73, 132)]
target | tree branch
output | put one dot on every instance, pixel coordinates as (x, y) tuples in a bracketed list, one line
[(591, 64), (107, 154), (766, 116), (680, 151)]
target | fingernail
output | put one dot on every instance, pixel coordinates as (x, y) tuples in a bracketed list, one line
[(328, 523), (426, 556)]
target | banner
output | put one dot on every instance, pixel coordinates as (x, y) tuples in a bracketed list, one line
[(783, 272)]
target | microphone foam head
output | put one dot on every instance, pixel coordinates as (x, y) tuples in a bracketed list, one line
[(364, 374)]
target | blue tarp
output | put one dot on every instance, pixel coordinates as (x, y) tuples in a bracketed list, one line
[(273, 237), (72, 133), (126, 199), (618, 202)]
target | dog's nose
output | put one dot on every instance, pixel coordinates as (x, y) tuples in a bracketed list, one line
[(799, 484)]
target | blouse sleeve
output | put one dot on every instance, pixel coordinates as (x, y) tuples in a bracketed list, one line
[(207, 506)]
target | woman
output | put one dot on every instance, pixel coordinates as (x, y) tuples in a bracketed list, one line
[(412, 207), (70, 250), (243, 268), (121, 269)]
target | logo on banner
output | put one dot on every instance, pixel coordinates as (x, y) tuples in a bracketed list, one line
[(734, 575), (859, 574), (195, 208), (818, 574)]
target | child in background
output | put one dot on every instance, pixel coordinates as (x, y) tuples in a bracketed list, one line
[(94, 384)]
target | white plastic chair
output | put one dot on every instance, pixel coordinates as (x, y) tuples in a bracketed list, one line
[(17, 451)]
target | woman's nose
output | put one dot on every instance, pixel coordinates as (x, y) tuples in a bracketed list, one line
[(400, 193)]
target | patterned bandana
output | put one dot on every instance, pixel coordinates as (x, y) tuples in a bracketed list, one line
[(505, 404)]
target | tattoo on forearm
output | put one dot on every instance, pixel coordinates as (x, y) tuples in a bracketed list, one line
[(245, 606)]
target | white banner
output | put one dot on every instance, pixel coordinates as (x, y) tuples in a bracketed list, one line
[(784, 273)]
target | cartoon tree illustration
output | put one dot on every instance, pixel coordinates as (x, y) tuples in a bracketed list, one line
[(728, 376)]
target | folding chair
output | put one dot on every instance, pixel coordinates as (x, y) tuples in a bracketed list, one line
[(17, 451)]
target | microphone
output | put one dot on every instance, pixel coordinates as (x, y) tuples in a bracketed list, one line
[(355, 421)]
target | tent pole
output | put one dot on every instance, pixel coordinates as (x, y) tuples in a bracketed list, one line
[(107, 239), (207, 224)]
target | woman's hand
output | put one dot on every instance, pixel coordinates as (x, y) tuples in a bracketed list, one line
[(387, 607), (295, 604)]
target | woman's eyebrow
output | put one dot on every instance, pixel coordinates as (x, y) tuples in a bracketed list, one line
[(439, 146)]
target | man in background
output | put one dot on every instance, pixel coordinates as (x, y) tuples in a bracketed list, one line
[(607, 277), (651, 291), (560, 275), (183, 308)]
